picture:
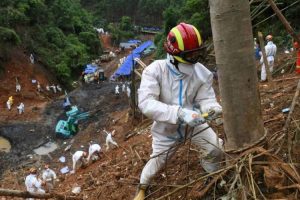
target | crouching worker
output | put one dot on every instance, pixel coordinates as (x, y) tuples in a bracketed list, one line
[(79, 156), (94, 152), (168, 92), (33, 183)]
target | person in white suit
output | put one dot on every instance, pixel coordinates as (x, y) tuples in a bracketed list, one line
[(170, 89)]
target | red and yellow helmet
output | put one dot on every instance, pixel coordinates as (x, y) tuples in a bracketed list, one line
[(184, 43)]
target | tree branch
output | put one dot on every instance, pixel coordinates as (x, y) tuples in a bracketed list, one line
[(25, 194)]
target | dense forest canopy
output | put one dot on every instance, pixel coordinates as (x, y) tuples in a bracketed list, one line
[(61, 32)]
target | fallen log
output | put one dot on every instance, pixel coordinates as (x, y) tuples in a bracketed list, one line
[(25, 194)]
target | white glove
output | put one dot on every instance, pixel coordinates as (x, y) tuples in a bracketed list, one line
[(216, 112), (192, 118)]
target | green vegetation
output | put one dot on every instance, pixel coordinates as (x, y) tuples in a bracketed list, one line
[(58, 32), (121, 31)]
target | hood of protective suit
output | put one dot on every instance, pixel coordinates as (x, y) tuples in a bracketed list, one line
[(183, 69)]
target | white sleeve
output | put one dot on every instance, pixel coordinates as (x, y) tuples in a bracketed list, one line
[(53, 174), (148, 98), (44, 176), (37, 183), (206, 97)]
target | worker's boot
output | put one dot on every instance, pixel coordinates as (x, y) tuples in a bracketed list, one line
[(141, 193)]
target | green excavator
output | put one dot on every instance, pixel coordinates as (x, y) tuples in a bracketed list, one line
[(68, 128)]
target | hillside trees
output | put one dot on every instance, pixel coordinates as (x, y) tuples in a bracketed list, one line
[(122, 30), (59, 32), (8, 38), (190, 11)]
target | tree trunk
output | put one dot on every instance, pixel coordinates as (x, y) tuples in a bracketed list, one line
[(233, 42), (25, 194)]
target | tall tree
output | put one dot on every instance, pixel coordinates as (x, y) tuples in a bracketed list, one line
[(233, 42)]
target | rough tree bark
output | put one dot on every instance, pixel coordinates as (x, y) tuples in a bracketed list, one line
[(233, 43)]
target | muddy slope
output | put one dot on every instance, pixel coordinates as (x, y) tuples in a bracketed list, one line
[(26, 136)]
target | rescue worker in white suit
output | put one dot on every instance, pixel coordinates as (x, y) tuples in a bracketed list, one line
[(93, 150), (271, 50), (78, 156), (49, 177), (168, 92), (33, 183), (109, 139)]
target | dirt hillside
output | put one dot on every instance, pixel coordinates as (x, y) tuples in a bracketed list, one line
[(116, 174)]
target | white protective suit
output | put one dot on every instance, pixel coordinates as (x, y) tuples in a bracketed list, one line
[(162, 92), (128, 91), (117, 92), (271, 50), (21, 108), (123, 87), (109, 140), (76, 157), (18, 88), (93, 149), (33, 185), (49, 176)]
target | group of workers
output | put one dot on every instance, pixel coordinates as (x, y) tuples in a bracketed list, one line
[(175, 92), (39, 185), (45, 183), (20, 107), (54, 88), (125, 89), (94, 151)]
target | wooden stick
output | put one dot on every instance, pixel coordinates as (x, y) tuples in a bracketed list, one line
[(287, 25), (25, 194), (141, 63), (287, 122), (285, 79), (138, 73), (262, 47), (221, 171)]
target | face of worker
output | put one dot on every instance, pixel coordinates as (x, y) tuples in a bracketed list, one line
[(186, 68)]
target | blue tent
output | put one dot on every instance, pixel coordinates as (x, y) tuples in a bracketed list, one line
[(90, 69), (125, 68)]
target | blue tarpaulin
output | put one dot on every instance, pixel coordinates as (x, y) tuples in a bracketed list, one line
[(134, 41), (125, 68), (142, 47), (90, 69)]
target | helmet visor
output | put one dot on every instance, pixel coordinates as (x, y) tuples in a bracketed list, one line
[(191, 56)]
